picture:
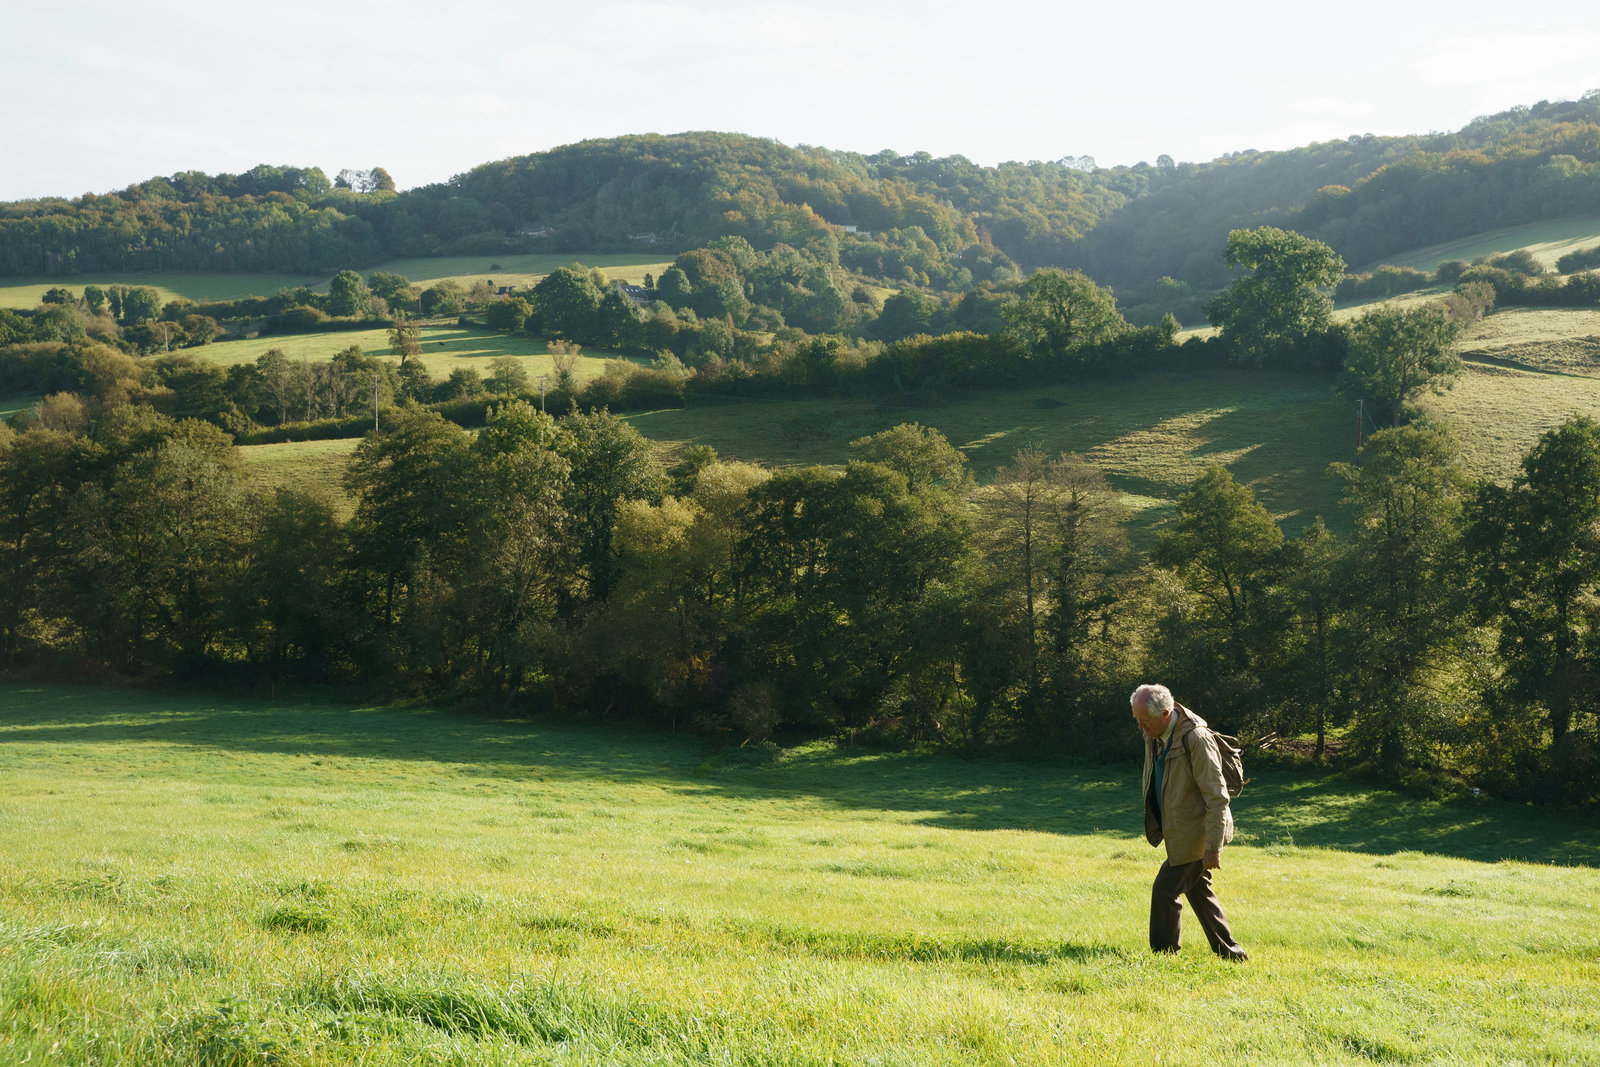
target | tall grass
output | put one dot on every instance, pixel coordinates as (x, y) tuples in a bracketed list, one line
[(225, 882)]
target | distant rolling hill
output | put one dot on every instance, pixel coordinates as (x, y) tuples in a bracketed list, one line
[(950, 223)]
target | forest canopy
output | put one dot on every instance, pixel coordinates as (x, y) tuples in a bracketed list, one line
[(1154, 232)]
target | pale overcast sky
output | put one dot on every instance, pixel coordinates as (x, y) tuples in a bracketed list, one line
[(101, 95)]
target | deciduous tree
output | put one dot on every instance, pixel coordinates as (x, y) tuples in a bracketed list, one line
[(1224, 548), (1270, 312), (611, 462), (1062, 311), (1394, 354), (1405, 498), (1535, 549), (348, 296), (405, 340)]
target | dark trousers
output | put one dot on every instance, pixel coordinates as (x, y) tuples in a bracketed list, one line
[(1190, 880)]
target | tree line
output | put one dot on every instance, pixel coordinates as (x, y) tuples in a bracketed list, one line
[(1056, 326), (941, 224), (555, 563)]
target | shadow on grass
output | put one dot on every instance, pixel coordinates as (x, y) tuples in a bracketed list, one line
[(915, 948), (1278, 809)]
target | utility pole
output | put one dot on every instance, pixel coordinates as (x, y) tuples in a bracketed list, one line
[(542, 379)]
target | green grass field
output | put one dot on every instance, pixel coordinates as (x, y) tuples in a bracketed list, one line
[(1274, 432), (521, 270), (13, 405), (25, 292), (308, 466), (1278, 433), (245, 882), (1498, 413), (1516, 327), (517, 270), (444, 348), (1152, 437), (1548, 241)]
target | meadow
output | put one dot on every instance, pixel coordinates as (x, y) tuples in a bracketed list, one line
[(1547, 240), (1152, 437), (518, 270), (1560, 342), (243, 881), (1276, 433), (192, 285), (14, 405), (315, 467), (527, 270), (445, 347)]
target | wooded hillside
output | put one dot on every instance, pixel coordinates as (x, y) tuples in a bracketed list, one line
[(1149, 230)]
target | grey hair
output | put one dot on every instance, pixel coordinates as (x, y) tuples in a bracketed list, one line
[(1157, 699)]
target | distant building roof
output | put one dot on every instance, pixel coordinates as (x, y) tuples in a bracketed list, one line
[(638, 294)]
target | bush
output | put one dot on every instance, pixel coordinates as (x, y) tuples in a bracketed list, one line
[(1383, 282), (297, 319), (1519, 262), (1580, 260), (321, 430)]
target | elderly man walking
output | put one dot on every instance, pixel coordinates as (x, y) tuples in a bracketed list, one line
[(1185, 805)]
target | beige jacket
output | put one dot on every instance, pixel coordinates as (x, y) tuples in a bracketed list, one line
[(1194, 798)]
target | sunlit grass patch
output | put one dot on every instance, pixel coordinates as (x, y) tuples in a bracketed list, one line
[(445, 347), (1153, 437), (1547, 240), (265, 882), (1516, 326), (525, 269), (201, 287), (1498, 413), (198, 286), (306, 466)]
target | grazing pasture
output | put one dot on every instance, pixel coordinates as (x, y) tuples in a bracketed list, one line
[(308, 466), (518, 270), (196, 286), (1499, 412), (1152, 437), (190, 880), (445, 347), (524, 270), (1558, 340), (1547, 241)]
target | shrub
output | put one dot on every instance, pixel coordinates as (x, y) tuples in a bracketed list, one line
[(1582, 259)]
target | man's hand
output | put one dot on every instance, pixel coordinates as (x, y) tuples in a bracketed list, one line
[(1212, 859)]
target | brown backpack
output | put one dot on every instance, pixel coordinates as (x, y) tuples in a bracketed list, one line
[(1231, 756)]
